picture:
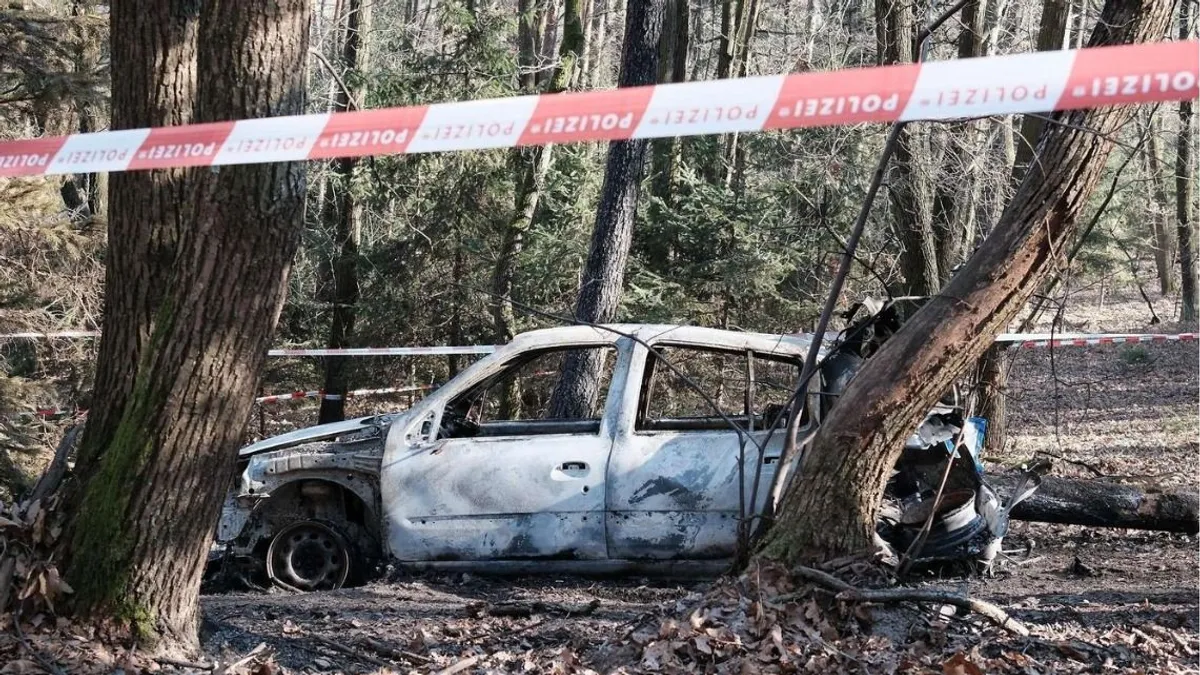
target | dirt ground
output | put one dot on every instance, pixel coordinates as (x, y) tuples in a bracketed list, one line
[(1096, 600)]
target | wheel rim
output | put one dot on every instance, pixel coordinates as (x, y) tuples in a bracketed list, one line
[(308, 556)]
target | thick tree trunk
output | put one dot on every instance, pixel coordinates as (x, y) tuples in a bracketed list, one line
[(154, 57), (1185, 189), (604, 273), (829, 509), (1095, 503), (341, 215), (143, 530)]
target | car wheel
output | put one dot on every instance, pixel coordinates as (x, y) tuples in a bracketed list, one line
[(309, 556)]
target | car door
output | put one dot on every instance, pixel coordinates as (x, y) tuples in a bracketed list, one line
[(511, 482), (673, 481)]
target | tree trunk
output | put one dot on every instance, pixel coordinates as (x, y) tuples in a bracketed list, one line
[(1095, 503), (141, 534), (907, 190), (533, 164), (1185, 186), (153, 48), (993, 377), (1162, 234), (1051, 36), (341, 214), (604, 273), (665, 153), (956, 194), (829, 509)]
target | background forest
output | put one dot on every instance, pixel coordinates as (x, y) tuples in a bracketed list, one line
[(735, 231)]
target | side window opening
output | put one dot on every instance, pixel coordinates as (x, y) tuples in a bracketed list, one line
[(518, 400), (750, 389)]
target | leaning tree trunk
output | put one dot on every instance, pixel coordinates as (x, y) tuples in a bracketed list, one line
[(341, 214), (142, 532), (604, 274), (154, 58), (1185, 190), (1052, 35), (829, 509)]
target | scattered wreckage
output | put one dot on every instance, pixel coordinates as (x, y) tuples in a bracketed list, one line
[(481, 476)]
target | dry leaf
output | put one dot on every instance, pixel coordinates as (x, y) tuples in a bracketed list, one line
[(959, 664)]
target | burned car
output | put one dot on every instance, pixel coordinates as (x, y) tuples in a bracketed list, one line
[(489, 473)]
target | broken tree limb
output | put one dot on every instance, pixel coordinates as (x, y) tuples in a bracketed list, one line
[(1097, 503), (986, 609)]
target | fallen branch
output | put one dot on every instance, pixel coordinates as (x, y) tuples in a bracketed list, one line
[(526, 609), (352, 653), (179, 663), (1096, 503), (384, 649), (848, 592), (460, 666), (58, 466)]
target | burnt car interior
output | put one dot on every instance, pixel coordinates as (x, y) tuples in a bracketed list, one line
[(749, 388), (517, 400)]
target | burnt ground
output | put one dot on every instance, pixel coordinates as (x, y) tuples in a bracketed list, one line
[(1096, 600)]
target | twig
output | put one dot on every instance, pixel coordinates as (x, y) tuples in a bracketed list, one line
[(848, 592), (1095, 472), (390, 651), (253, 654), (352, 653), (337, 78), (179, 663), (41, 658)]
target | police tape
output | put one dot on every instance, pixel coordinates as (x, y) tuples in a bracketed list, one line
[(964, 88), (1034, 341)]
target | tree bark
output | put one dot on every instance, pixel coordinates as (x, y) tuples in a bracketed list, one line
[(604, 273), (341, 215), (1051, 36), (1185, 189), (153, 48), (1096, 503), (144, 527), (830, 509)]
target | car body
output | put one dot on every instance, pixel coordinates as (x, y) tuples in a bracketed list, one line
[(491, 472)]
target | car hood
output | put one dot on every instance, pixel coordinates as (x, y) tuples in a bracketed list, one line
[(318, 433)]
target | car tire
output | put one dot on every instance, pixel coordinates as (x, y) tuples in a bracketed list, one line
[(310, 555)]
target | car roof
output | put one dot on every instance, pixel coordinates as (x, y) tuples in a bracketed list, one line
[(793, 344)]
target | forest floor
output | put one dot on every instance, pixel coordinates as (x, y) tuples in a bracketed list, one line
[(1095, 600)]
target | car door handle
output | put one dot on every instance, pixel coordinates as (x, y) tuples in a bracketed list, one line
[(573, 466)]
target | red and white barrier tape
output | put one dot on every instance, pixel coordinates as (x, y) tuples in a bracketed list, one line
[(1033, 341), (997, 85)]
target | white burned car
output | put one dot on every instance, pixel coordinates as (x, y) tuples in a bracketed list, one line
[(483, 475), (479, 474)]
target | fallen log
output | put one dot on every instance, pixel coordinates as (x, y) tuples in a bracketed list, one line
[(1097, 503)]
